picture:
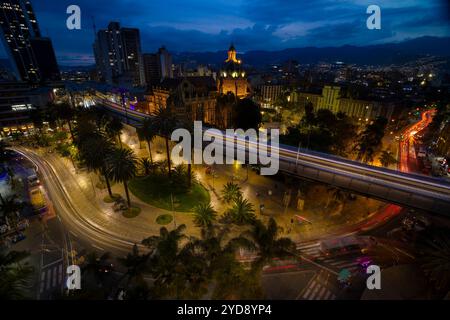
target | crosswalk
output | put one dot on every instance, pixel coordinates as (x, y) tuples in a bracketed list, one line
[(337, 263), (317, 289), (51, 277)]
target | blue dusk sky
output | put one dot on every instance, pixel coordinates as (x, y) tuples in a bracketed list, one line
[(211, 25)]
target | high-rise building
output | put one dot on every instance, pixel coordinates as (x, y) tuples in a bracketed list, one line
[(151, 69), (45, 57), (157, 66), (32, 57), (118, 55), (165, 63)]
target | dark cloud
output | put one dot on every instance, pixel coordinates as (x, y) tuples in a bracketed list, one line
[(355, 33), (210, 25)]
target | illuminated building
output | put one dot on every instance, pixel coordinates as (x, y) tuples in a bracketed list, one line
[(268, 94), (118, 55), (190, 99), (330, 98), (232, 76), (32, 56), (17, 100), (157, 66)]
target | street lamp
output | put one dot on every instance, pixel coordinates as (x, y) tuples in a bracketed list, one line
[(298, 155)]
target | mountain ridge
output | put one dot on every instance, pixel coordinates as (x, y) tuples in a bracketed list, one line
[(377, 54)]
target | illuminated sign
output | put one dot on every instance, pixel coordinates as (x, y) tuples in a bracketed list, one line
[(21, 107)]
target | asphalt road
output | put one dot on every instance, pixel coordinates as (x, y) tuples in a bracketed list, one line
[(84, 221)]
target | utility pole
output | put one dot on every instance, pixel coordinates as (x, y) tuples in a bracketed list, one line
[(298, 155), (122, 94), (173, 213)]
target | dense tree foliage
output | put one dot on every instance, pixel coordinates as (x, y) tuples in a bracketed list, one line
[(322, 131)]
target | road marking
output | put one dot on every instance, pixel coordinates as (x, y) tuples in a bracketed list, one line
[(306, 294), (322, 293), (343, 264), (73, 233), (314, 245), (313, 294), (49, 278), (60, 276), (52, 263), (54, 278), (42, 282), (97, 247), (310, 251)]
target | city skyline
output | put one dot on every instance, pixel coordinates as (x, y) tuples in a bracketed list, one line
[(211, 26), (225, 151)]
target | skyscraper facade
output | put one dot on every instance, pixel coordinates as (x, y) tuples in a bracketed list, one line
[(31, 56), (118, 55), (165, 63), (157, 66), (151, 69)]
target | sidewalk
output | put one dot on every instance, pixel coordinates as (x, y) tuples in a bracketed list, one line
[(82, 186)]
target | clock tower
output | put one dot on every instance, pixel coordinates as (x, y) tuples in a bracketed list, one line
[(232, 77)]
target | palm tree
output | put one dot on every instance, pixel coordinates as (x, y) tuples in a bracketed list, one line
[(387, 158), (164, 123), (146, 166), (122, 166), (230, 192), (241, 212), (177, 270), (204, 215), (65, 113), (434, 250), (136, 265), (16, 277), (179, 175), (94, 152), (84, 130), (10, 208), (230, 279), (269, 246), (189, 127), (167, 241), (148, 133), (113, 128)]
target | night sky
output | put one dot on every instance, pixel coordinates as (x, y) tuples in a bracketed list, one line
[(210, 25)]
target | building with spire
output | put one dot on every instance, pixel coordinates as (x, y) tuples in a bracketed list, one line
[(232, 76)]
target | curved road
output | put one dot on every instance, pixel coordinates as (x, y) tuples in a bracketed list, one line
[(79, 215), (104, 230)]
